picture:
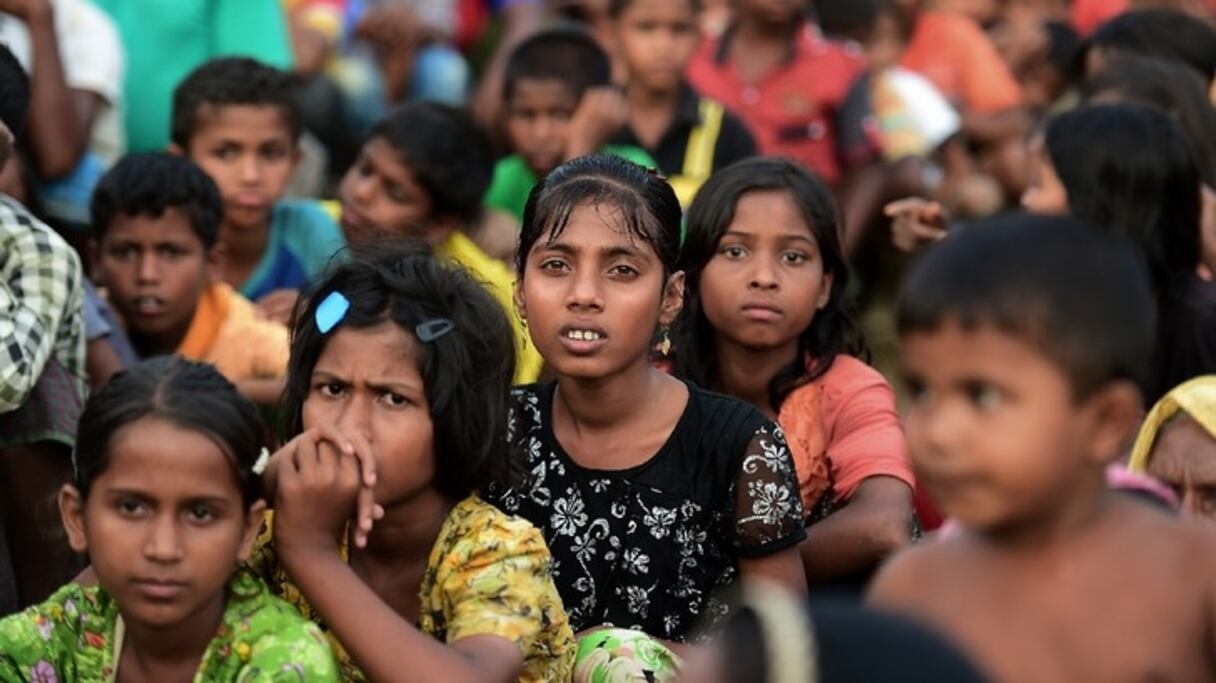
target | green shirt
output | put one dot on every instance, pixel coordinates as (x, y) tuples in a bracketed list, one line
[(71, 638), (514, 180), (166, 39)]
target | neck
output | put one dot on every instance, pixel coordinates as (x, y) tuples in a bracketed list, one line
[(746, 373), (606, 402), (408, 530), (153, 648), (244, 246), (149, 345), (647, 99), (1083, 509)]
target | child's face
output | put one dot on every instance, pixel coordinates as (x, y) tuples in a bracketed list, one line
[(249, 152), (656, 39), (164, 525), (366, 381), (538, 121), (994, 431), (886, 43), (1184, 457), (765, 283), (155, 270), (1045, 193), (380, 196), (593, 297)]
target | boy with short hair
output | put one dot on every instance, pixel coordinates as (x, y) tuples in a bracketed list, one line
[(559, 105), (1026, 342), (156, 221), (236, 119)]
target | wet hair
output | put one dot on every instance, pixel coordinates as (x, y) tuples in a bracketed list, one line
[(567, 55), (832, 332), (617, 7), (448, 155), (1162, 33), (14, 92), (147, 184), (192, 396), (1129, 168), (1172, 87), (646, 204), (1079, 295), (467, 372), (232, 81)]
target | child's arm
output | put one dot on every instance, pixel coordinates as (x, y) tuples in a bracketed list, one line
[(264, 392), (278, 305), (876, 521), (601, 113), (768, 512)]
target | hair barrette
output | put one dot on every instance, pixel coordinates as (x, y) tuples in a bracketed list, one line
[(331, 311), (259, 465), (433, 329)]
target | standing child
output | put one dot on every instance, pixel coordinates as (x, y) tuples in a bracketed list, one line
[(407, 364), (1026, 342), (766, 322), (688, 135), (652, 493), (236, 118), (156, 219), (165, 501)]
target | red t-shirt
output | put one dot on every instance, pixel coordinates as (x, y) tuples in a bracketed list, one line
[(792, 109), (955, 54)]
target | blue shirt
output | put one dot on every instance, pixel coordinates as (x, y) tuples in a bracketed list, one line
[(303, 239)]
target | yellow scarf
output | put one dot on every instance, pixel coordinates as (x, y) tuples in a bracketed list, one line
[(1196, 398)]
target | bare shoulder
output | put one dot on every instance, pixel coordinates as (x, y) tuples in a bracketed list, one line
[(1177, 544), (913, 575)]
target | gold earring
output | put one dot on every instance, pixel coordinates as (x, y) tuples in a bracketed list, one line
[(665, 344)]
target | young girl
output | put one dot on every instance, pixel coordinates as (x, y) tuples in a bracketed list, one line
[(406, 364), (766, 322), (651, 492), (165, 502)]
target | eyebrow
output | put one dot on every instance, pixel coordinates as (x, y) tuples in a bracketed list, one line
[(382, 384), (786, 236), (219, 500), (607, 252)]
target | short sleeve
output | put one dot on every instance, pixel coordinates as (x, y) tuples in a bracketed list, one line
[(867, 439), (768, 509), (312, 235), (40, 643), (92, 52), (273, 350), (988, 86), (293, 651), (510, 186)]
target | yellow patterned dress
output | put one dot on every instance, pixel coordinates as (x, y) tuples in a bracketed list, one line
[(488, 574)]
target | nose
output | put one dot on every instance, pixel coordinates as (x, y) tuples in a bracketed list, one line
[(148, 268), (585, 293), (934, 429), (360, 187), (763, 274), (163, 544), (355, 415), (250, 169)]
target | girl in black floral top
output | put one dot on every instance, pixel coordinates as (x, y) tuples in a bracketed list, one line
[(651, 493)]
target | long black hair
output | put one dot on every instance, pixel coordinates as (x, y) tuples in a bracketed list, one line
[(831, 333)]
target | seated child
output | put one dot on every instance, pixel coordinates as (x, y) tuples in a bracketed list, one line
[(156, 219), (422, 173), (1177, 445), (165, 501), (688, 135), (1027, 343), (405, 365), (766, 321), (236, 118), (559, 104)]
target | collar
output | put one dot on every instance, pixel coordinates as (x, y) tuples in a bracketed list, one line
[(688, 107)]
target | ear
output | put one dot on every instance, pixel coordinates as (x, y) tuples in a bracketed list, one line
[(825, 292), (216, 257), (521, 302), (175, 149), (71, 511), (673, 298), (254, 518), (440, 228), (1114, 413)]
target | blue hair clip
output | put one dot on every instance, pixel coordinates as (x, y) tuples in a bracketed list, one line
[(331, 311), (431, 330)]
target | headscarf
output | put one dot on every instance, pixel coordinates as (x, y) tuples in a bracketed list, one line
[(1196, 398)]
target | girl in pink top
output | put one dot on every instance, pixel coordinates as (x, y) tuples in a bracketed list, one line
[(764, 320)]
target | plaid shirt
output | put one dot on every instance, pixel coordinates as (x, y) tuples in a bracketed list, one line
[(41, 321)]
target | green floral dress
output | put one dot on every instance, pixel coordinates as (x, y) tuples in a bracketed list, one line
[(74, 636), (487, 574)]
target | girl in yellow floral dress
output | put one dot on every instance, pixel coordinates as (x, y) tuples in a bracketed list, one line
[(405, 365)]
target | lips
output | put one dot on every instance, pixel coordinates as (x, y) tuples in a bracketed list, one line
[(251, 201), (148, 306), (160, 590), (762, 311), (582, 339)]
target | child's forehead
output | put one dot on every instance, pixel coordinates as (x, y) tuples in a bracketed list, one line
[(953, 344), (532, 89), (173, 224), (264, 119)]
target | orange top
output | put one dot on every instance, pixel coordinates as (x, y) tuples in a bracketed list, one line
[(955, 54), (228, 333), (842, 429)]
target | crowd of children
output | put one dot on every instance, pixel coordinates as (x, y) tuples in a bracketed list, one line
[(542, 340)]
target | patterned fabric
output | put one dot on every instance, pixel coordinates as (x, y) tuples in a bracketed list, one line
[(487, 574), (75, 637), (617, 655), (41, 299), (649, 547)]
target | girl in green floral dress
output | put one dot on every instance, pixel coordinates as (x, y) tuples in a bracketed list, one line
[(166, 504)]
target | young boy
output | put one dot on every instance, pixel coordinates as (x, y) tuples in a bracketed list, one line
[(235, 118), (559, 105), (422, 174), (1025, 344), (688, 135), (156, 220)]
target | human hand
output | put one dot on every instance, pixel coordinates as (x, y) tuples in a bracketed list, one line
[(278, 305), (602, 112), (916, 222)]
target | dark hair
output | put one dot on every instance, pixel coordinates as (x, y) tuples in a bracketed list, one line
[(14, 92), (448, 155), (832, 332), (567, 55), (467, 372), (618, 7), (648, 206), (855, 19), (1164, 33), (1172, 87), (192, 396), (1128, 168), (149, 183), (232, 81), (1063, 47), (1078, 294)]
